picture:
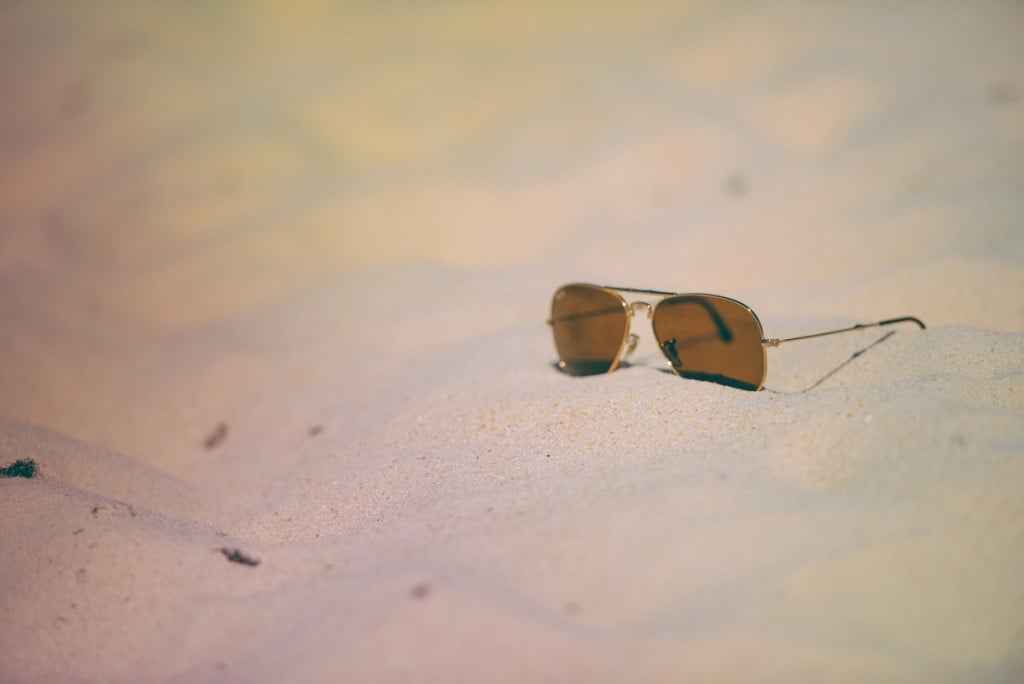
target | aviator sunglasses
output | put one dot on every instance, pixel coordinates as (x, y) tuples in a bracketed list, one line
[(703, 336)]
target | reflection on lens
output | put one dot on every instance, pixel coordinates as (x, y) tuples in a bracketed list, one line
[(590, 326), (706, 337)]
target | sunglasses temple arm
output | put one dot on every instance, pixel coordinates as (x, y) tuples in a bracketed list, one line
[(775, 342)]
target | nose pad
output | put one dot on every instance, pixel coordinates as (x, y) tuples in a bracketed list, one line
[(637, 306), (631, 341), (669, 348)]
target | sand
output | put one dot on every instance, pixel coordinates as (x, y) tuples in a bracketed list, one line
[(273, 290)]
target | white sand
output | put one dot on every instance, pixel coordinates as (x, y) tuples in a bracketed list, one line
[(349, 222)]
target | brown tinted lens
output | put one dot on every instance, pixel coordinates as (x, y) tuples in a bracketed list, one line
[(590, 326), (711, 338)]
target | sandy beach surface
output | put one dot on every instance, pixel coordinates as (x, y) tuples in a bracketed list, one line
[(273, 289)]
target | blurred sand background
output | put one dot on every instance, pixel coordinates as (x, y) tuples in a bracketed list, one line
[(274, 276)]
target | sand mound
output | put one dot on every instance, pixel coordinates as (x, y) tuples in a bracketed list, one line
[(273, 285)]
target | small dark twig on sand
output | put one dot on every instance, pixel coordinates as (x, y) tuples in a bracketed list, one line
[(236, 556)]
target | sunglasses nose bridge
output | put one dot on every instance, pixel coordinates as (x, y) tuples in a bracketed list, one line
[(631, 339), (643, 307)]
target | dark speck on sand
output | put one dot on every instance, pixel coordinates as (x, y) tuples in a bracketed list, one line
[(217, 437)]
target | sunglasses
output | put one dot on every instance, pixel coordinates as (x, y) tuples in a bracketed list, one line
[(703, 336)]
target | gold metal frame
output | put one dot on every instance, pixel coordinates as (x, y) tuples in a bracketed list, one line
[(629, 340)]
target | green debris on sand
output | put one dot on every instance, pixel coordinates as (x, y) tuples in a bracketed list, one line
[(21, 468)]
